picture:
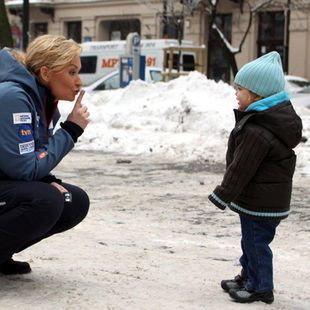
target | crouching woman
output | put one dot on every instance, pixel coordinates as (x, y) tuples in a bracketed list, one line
[(34, 204)]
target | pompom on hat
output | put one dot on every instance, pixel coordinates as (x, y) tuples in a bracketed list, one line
[(263, 76)]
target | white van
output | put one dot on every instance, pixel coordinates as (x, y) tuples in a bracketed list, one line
[(100, 58)]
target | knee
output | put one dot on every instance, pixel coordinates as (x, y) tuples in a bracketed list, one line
[(81, 202), (50, 203)]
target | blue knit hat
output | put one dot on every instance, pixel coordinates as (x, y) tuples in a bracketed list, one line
[(263, 76)]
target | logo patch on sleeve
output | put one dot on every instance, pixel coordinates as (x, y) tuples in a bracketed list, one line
[(26, 147), (25, 133), (22, 118)]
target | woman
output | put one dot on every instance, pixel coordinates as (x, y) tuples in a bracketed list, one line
[(34, 204)]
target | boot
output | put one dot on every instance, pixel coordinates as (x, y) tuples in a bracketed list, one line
[(245, 296), (14, 267), (237, 283)]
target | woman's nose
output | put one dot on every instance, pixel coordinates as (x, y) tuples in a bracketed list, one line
[(79, 81)]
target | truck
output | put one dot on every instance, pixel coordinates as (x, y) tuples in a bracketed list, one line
[(99, 58)]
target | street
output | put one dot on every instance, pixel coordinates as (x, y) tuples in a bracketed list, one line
[(153, 241)]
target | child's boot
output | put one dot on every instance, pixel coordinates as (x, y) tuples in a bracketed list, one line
[(245, 296), (237, 283)]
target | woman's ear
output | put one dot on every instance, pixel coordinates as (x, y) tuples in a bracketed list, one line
[(44, 74)]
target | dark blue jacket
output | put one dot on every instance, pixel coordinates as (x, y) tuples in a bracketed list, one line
[(28, 148)]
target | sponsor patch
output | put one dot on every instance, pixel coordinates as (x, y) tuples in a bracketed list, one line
[(22, 118), (25, 132), (26, 147), (42, 155)]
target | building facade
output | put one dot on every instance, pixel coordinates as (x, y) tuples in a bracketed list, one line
[(279, 25)]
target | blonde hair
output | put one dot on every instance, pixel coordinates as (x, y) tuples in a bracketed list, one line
[(53, 51), (19, 56)]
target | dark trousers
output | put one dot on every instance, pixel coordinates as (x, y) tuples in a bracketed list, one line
[(257, 256), (32, 211)]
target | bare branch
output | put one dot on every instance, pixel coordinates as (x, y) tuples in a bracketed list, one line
[(224, 40), (260, 6), (253, 11)]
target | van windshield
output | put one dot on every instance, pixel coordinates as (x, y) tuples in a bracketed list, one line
[(188, 62), (156, 76), (89, 64)]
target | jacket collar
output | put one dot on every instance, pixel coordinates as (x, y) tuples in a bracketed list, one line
[(268, 102)]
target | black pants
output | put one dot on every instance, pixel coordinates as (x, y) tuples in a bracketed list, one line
[(32, 211)]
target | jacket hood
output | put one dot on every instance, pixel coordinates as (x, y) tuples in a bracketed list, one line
[(281, 120), (13, 71)]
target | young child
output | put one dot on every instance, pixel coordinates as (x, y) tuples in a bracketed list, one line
[(260, 164)]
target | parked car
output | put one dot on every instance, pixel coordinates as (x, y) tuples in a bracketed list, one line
[(112, 80), (294, 84), (299, 90), (301, 98)]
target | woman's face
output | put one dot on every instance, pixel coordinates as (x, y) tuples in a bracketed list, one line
[(65, 84), (245, 97)]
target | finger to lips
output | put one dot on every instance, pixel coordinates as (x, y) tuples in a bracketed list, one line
[(80, 97)]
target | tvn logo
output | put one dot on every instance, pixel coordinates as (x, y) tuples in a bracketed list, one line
[(25, 132)]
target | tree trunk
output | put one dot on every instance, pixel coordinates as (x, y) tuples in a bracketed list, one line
[(5, 29), (233, 64)]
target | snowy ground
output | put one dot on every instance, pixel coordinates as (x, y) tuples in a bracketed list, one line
[(152, 241)]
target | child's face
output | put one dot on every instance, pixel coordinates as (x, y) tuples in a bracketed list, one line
[(245, 97)]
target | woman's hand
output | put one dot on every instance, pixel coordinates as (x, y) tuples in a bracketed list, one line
[(79, 114), (59, 187)]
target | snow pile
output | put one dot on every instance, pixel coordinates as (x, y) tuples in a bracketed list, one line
[(188, 118)]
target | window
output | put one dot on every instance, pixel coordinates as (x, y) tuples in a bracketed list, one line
[(89, 64), (173, 27), (74, 31), (218, 61), (112, 82), (39, 29), (156, 76), (119, 29), (188, 62), (175, 64), (270, 33), (300, 83)]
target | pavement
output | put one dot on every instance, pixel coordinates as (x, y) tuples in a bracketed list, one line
[(152, 240)]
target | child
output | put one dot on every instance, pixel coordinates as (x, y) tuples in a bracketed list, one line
[(260, 164)]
